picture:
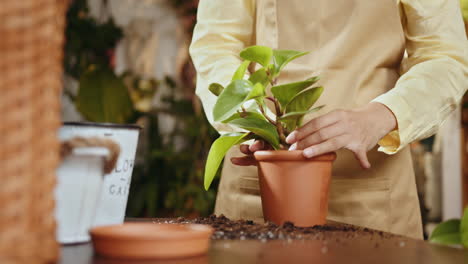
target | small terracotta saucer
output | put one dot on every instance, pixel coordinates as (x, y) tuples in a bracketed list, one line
[(151, 240)]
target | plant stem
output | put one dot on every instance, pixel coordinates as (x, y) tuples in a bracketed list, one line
[(265, 115), (279, 125), (282, 137), (277, 108), (271, 99), (272, 81)]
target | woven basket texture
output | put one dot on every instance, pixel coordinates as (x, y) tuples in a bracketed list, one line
[(31, 46)]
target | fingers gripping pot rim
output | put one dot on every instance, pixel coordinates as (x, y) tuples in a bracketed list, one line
[(114, 195)]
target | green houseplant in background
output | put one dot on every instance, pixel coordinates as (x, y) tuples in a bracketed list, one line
[(282, 173), (88, 58), (169, 168), (166, 183), (452, 232)]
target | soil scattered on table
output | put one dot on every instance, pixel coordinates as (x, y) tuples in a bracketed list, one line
[(247, 229)]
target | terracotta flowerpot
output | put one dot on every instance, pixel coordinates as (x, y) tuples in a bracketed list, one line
[(294, 188)]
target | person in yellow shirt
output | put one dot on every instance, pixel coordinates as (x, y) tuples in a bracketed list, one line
[(378, 97)]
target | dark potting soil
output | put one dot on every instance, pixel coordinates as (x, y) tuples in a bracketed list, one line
[(247, 229)]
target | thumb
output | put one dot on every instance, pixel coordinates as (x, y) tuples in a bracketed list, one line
[(257, 145)]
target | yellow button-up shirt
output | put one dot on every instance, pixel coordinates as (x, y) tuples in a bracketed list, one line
[(433, 75)]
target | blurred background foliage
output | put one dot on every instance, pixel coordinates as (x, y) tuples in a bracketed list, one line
[(170, 180), (168, 175)]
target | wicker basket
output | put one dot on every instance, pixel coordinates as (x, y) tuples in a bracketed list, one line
[(31, 40)]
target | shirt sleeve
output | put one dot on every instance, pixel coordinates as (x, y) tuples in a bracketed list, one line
[(224, 28), (434, 75)]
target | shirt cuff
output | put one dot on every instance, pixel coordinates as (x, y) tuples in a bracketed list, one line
[(398, 138)]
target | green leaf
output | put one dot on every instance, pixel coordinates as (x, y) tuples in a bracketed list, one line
[(251, 114), (216, 88), (283, 57), (304, 101), (257, 91), (240, 72), (260, 101), (103, 97), (286, 92), (297, 115), (464, 228), (447, 233), (260, 127), (231, 99), (260, 76), (301, 103), (448, 239), (259, 54), (217, 152)]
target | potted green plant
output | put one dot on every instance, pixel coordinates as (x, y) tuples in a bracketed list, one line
[(292, 187), (453, 232)]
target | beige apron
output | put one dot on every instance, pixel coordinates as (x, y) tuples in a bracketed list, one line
[(356, 48)]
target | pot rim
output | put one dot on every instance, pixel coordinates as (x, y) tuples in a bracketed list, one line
[(105, 125), (151, 231), (287, 155)]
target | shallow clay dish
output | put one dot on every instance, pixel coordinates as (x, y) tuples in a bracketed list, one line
[(151, 240)]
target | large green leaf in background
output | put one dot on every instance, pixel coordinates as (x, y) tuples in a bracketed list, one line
[(240, 72), (304, 100), (286, 92), (103, 97), (231, 99), (464, 228), (283, 57), (260, 127), (217, 152), (259, 54), (447, 233)]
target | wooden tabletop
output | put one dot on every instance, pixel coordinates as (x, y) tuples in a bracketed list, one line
[(344, 249)]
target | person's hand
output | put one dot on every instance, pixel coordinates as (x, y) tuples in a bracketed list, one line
[(249, 159), (356, 130)]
